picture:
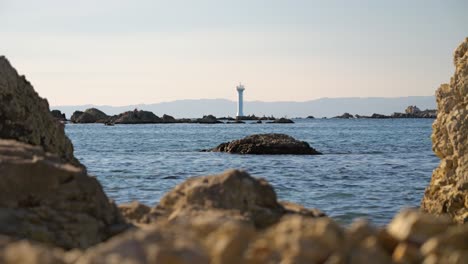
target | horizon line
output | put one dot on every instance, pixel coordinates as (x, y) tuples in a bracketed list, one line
[(253, 101)]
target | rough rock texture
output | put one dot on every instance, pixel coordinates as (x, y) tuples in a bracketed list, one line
[(44, 199), (91, 115), (58, 115), (234, 193), (26, 117), (448, 189), (135, 212), (136, 117), (345, 116), (267, 144), (208, 119)]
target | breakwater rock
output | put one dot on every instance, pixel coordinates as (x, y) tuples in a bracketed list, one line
[(448, 191), (26, 117), (267, 144)]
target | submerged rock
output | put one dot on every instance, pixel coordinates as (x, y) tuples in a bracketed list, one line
[(24, 116), (44, 199), (267, 144), (91, 115), (447, 192)]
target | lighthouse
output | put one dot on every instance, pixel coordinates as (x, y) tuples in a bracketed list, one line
[(240, 101)]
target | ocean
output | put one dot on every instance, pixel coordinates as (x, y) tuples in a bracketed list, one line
[(371, 168)]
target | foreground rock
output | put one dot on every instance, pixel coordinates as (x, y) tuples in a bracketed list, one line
[(233, 194), (267, 144), (448, 190), (44, 199), (26, 117), (91, 115)]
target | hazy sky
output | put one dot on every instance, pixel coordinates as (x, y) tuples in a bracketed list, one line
[(122, 52)]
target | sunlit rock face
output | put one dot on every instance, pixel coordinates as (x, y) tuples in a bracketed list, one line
[(448, 190)]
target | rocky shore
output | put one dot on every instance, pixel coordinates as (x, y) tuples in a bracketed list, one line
[(411, 111), (52, 211)]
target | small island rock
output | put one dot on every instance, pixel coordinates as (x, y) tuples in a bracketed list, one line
[(267, 144)]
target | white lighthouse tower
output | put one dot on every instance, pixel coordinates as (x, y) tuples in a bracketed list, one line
[(240, 102)]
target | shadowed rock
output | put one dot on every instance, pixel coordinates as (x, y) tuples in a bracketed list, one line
[(26, 117), (448, 189), (91, 115), (267, 144), (136, 117)]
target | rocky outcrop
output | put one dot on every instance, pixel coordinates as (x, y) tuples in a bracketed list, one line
[(234, 193), (281, 121), (91, 115), (448, 189), (208, 119), (267, 144), (136, 117), (26, 117), (345, 116), (58, 115), (44, 199), (168, 119)]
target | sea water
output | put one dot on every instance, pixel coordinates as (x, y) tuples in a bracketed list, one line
[(371, 168)]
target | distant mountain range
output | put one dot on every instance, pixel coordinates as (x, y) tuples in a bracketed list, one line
[(324, 107)]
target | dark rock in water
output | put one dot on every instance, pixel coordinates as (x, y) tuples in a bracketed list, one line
[(24, 116), (136, 117), (379, 116), (310, 117), (414, 112), (168, 119), (259, 122), (345, 116), (236, 122), (91, 115), (58, 115), (184, 120), (208, 119), (267, 144), (281, 121)]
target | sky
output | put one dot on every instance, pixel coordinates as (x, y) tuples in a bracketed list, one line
[(121, 52)]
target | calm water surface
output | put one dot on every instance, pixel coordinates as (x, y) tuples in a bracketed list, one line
[(371, 168)]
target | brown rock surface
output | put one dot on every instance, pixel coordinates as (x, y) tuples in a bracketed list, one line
[(234, 193), (44, 199), (26, 117), (91, 115), (447, 192), (267, 144)]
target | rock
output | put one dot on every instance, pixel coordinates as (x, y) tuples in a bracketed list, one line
[(447, 192), (136, 117), (168, 119), (27, 252), (24, 116), (281, 121), (267, 144), (91, 115), (412, 110), (455, 239), (292, 208), (236, 122), (416, 227), (58, 115), (135, 212), (345, 116), (297, 240), (44, 199), (208, 119), (259, 122), (407, 253), (379, 116), (368, 251), (161, 243), (310, 117), (234, 193)]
